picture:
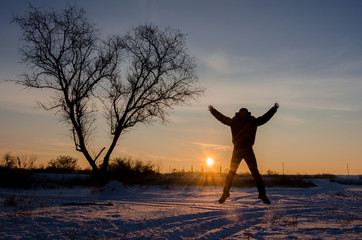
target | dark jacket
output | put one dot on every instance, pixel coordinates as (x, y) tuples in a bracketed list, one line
[(243, 131)]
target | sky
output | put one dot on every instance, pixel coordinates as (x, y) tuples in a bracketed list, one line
[(305, 55)]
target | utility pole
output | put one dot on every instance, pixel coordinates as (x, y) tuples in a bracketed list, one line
[(347, 169)]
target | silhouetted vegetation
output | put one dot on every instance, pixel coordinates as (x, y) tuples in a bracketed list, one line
[(63, 164), (22, 161), (14, 170), (64, 171), (245, 180), (131, 171), (318, 176)]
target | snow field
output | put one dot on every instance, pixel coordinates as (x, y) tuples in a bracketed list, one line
[(329, 211)]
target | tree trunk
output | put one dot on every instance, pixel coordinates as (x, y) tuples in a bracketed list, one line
[(106, 158), (91, 162), (82, 146)]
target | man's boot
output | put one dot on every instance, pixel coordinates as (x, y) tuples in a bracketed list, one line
[(264, 198), (223, 197)]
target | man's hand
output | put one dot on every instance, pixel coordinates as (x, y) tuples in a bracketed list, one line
[(210, 107), (276, 105)]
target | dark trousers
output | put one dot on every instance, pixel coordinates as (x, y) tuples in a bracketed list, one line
[(249, 157)]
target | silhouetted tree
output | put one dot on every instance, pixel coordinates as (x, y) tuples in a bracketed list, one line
[(138, 77), (22, 161), (9, 161)]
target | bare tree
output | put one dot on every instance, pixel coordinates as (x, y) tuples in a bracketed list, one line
[(159, 75), (139, 76), (63, 53)]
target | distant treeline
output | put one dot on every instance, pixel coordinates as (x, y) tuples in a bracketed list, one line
[(20, 172)]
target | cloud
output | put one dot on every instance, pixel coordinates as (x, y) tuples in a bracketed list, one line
[(291, 120), (218, 62), (213, 146), (231, 64), (17, 98)]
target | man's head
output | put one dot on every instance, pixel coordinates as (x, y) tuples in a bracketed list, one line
[(243, 113)]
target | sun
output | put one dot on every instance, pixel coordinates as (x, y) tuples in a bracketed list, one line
[(210, 162)]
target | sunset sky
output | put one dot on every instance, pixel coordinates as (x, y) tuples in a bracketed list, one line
[(306, 55)]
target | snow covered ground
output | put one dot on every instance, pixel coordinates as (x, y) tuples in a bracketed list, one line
[(329, 211)]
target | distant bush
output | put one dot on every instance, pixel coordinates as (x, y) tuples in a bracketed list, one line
[(318, 176), (63, 163), (127, 165), (131, 171), (22, 161), (289, 181), (272, 173), (9, 161), (241, 180)]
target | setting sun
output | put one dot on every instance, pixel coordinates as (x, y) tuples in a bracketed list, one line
[(210, 161)]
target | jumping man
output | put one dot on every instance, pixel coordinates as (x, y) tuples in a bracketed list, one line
[(243, 129)]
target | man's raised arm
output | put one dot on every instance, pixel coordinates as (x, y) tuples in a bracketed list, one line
[(219, 116), (268, 115)]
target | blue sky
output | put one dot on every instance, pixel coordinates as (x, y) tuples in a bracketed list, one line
[(307, 55)]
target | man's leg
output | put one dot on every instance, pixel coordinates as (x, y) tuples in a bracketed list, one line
[(251, 162), (234, 164)]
